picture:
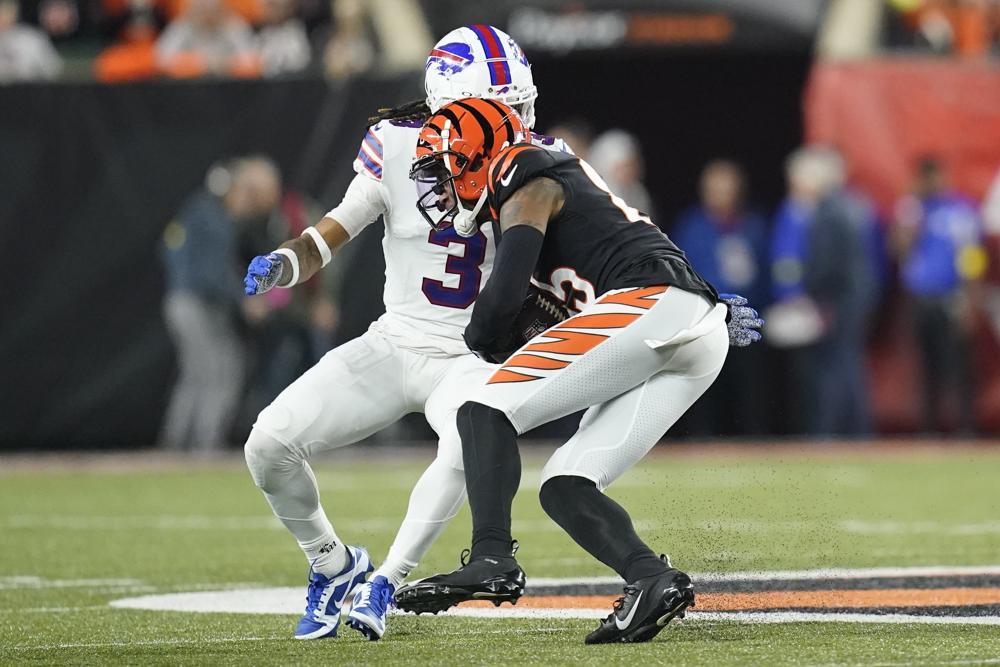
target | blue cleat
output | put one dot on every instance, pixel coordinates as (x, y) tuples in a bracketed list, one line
[(327, 595), (370, 606)]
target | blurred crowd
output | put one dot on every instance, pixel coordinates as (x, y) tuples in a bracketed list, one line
[(819, 267), (129, 40), (234, 354)]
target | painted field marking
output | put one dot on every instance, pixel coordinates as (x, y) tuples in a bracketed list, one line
[(173, 522), (734, 616), (919, 527), (16, 582), (142, 642), (770, 606), (756, 601), (242, 523), (288, 601), (796, 575)]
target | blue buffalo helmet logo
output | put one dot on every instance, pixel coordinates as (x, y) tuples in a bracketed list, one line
[(517, 53), (450, 58)]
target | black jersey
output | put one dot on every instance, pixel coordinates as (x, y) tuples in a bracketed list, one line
[(596, 240)]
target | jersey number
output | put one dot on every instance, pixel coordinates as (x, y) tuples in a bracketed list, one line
[(631, 213), (465, 266)]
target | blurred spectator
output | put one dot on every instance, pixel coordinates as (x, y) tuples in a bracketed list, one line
[(282, 42), (618, 159), (577, 133), (60, 19), (728, 244), (825, 287), (938, 239), (991, 207), (289, 330), (208, 39), (26, 54), (349, 50), (964, 27), (204, 298), (991, 227), (133, 25)]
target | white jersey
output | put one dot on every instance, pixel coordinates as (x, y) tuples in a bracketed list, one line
[(432, 278)]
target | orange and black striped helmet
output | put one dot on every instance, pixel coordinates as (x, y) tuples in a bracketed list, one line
[(454, 152)]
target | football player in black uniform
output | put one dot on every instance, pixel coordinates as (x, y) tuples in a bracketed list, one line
[(646, 338)]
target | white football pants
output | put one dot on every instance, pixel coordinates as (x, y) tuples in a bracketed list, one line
[(638, 358), (354, 391)]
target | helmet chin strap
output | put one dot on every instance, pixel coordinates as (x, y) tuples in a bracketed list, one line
[(465, 220)]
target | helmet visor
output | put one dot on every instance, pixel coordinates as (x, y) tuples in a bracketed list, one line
[(437, 199)]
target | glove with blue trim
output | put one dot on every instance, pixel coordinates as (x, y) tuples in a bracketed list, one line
[(744, 322), (263, 274)]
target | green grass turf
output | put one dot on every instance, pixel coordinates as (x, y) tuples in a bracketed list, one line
[(207, 527)]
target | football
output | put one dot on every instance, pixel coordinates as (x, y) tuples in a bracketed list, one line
[(539, 312)]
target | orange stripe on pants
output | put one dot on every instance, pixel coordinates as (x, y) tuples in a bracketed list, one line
[(638, 296), (503, 375), (570, 342), (599, 321), (535, 361)]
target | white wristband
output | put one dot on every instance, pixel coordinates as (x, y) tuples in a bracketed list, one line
[(321, 245), (293, 259)]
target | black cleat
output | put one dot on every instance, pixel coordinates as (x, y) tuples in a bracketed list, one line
[(494, 578), (646, 608)]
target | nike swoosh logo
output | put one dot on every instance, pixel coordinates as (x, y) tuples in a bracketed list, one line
[(505, 181), (631, 612)]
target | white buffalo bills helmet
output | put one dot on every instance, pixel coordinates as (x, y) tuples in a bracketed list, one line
[(480, 61)]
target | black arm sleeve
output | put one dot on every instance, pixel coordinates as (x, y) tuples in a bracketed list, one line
[(501, 300)]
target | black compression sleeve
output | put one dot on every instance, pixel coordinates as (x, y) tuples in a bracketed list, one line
[(502, 298)]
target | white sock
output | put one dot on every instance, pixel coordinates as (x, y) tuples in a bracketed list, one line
[(434, 501), (326, 554)]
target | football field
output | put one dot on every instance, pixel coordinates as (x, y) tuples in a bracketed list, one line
[(801, 555)]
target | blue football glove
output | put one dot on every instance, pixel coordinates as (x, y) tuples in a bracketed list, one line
[(744, 322), (262, 274)]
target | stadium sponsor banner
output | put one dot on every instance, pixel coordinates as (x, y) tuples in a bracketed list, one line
[(680, 24)]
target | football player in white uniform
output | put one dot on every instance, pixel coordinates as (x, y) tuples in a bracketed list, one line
[(413, 359)]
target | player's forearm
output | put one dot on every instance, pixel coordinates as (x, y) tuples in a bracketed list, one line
[(309, 259), (502, 298), (306, 249)]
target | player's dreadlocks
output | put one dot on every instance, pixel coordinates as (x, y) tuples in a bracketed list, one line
[(415, 110)]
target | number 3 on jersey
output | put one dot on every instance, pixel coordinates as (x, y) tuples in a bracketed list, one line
[(465, 266)]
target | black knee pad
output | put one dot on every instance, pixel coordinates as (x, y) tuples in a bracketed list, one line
[(561, 494)]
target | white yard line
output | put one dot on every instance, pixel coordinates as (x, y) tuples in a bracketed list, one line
[(813, 617), (142, 642), (264, 522), (795, 575), (863, 527), (171, 522), (30, 581), (52, 610)]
